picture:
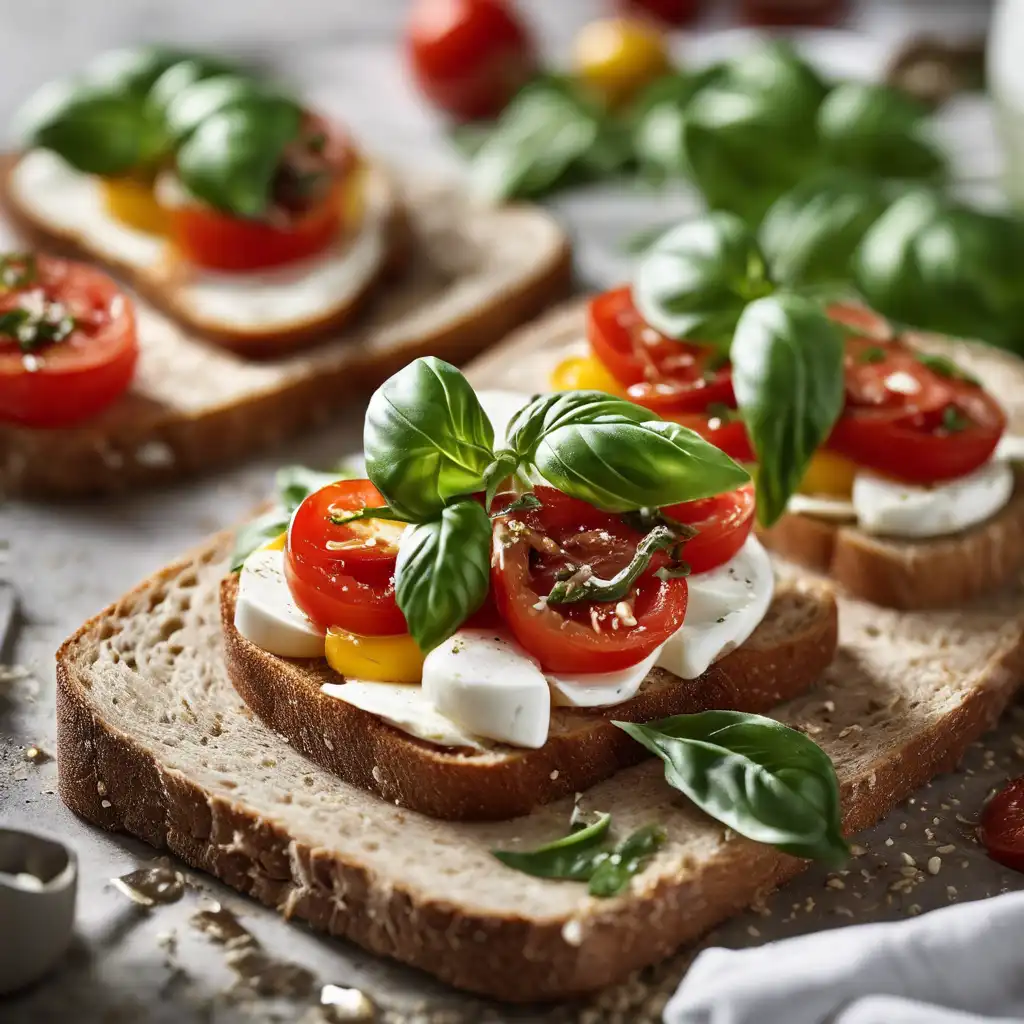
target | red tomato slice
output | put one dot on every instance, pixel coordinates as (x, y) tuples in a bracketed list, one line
[(469, 57), (62, 382), (660, 373), (723, 524), (862, 320), (726, 432), (672, 12), (1002, 826), (589, 636), (301, 225), (907, 421), (344, 575)]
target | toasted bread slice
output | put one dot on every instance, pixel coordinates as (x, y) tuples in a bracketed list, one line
[(784, 657), (932, 573), (474, 274), (153, 740)]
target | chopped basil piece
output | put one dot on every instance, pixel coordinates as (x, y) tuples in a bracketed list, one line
[(945, 367)]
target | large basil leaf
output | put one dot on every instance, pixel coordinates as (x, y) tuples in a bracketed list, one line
[(443, 572), (810, 234), (544, 133), (198, 102), (571, 857), (181, 76), (761, 779), (787, 368), (777, 71), (601, 451), (694, 281), (941, 266), (131, 71), (877, 130), (426, 438), (230, 160)]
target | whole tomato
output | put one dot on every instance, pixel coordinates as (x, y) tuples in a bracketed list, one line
[(672, 12), (469, 57)]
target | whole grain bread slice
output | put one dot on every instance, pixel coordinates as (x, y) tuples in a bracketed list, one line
[(153, 740), (905, 574), (474, 273), (783, 658)]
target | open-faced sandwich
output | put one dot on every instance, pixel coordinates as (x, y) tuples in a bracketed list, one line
[(878, 461), (467, 625), (225, 200)]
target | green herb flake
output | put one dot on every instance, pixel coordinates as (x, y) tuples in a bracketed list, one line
[(18, 270), (875, 354), (50, 323), (954, 420), (945, 367), (523, 503)]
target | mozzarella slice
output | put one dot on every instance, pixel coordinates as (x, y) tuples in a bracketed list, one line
[(266, 613), (1010, 448), (725, 606), (488, 684), (821, 508), (601, 689), (69, 203), (406, 707), (500, 407), (900, 510)]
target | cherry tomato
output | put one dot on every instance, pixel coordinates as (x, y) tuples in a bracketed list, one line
[(723, 524), (469, 57), (310, 193), (660, 373), (588, 636), (906, 420), (344, 575), (617, 57), (1002, 826), (56, 383), (672, 12)]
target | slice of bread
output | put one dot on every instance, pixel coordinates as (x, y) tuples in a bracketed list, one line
[(933, 573), (474, 274), (249, 313), (783, 658), (153, 740)]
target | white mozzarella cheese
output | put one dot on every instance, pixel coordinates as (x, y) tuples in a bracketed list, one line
[(894, 509), (488, 684), (406, 707), (725, 606), (266, 613), (823, 508), (601, 689), (1010, 448), (70, 203)]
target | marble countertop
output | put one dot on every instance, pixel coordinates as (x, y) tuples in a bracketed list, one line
[(67, 562)]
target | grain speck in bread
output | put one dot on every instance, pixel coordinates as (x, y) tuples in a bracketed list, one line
[(146, 713)]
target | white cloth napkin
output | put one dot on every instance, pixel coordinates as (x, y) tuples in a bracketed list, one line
[(946, 967)]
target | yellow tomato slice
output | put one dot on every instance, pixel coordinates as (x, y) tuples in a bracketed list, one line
[(617, 57), (131, 201), (584, 373), (829, 474), (277, 544), (378, 659)]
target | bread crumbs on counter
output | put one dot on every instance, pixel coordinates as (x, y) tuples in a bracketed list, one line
[(553, 775), (934, 865), (753, 932), (889, 841), (948, 848)]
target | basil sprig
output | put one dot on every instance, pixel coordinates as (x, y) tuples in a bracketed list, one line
[(762, 779), (787, 371), (587, 855), (428, 444)]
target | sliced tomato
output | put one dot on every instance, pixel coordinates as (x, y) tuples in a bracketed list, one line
[(1002, 826), (863, 320), (589, 636), (57, 383), (660, 373), (309, 210), (724, 429), (344, 574), (905, 420), (723, 523)]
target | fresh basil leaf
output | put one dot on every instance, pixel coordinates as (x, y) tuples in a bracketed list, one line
[(524, 503), (571, 857), (256, 533), (295, 483), (181, 76), (776, 71), (787, 369), (878, 130), (809, 234), (763, 780), (629, 858), (426, 438), (230, 160), (695, 281), (546, 129), (443, 572), (198, 102), (131, 71), (945, 367)]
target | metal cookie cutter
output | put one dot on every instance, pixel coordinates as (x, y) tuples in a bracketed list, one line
[(38, 882)]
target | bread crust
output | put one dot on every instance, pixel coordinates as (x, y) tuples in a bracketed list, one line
[(123, 783), (938, 572), (583, 746)]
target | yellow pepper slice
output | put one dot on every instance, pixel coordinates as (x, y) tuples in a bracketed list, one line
[(378, 659), (277, 544), (132, 201), (584, 373), (829, 474)]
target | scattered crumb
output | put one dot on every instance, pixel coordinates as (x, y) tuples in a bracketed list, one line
[(36, 755), (948, 848), (908, 860), (753, 932), (934, 865), (835, 883)]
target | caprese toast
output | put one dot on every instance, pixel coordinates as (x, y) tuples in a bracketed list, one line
[(467, 625), (878, 461), (222, 198)]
